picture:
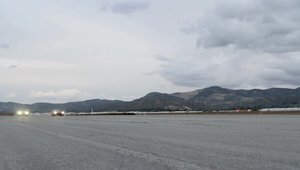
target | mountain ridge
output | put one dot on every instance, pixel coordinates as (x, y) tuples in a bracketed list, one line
[(211, 98)]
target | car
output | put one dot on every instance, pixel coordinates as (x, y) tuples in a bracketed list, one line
[(23, 113), (58, 113)]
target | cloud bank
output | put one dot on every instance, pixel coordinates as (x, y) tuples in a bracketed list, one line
[(106, 54), (262, 25), (61, 95), (241, 44)]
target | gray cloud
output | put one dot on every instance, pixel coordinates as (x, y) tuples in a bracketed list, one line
[(263, 25), (238, 70), (13, 66), (126, 7), (4, 46), (241, 44)]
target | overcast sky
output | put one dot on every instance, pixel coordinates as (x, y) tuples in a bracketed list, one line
[(69, 50)]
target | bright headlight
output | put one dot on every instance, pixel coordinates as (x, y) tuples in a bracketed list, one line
[(26, 112), (19, 112), (55, 112), (63, 112)]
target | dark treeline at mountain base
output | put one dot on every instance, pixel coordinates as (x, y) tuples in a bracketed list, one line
[(207, 99)]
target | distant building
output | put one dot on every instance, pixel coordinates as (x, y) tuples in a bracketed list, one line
[(243, 110), (279, 109)]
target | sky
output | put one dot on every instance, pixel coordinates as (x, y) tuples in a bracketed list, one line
[(70, 50)]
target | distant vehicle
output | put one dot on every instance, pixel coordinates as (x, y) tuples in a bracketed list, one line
[(58, 113), (23, 113)]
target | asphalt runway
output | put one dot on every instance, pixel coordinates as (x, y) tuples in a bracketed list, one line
[(150, 142)]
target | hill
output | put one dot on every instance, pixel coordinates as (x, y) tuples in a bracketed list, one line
[(211, 98)]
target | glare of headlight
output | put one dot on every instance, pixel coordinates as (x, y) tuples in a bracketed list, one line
[(63, 112), (26, 112), (55, 112), (19, 112)]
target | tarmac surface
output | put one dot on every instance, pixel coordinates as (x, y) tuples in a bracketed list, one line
[(150, 142)]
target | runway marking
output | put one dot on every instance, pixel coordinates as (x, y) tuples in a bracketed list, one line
[(174, 164)]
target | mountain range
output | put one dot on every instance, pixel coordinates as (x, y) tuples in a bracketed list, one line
[(207, 99)]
